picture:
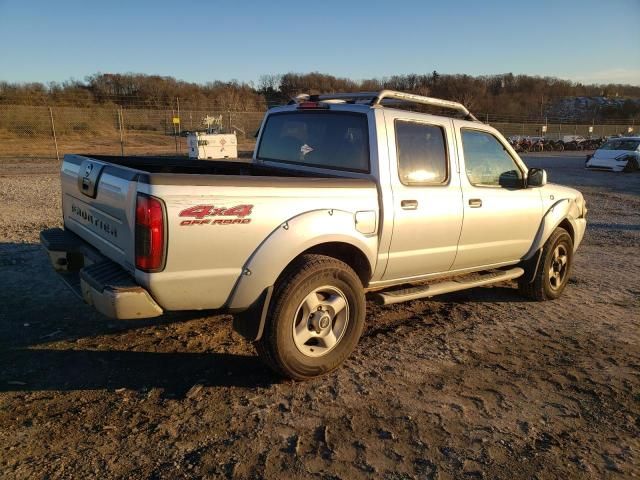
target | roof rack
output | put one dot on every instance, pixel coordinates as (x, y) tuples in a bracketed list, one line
[(375, 98)]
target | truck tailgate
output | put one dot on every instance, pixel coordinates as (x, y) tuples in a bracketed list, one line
[(98, 202)]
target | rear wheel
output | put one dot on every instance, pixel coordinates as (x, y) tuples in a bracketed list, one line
[(315, 318), (553, 271)]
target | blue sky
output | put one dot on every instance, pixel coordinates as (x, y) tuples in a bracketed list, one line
[(200, 41)]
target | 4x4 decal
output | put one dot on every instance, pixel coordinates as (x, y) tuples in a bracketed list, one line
[(200, 214)]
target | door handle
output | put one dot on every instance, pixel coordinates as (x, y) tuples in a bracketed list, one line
[(475, 202), (409, 204)]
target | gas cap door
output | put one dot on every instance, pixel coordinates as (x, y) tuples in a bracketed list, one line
[(88, 176)]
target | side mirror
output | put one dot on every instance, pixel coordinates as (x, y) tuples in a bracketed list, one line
[(536, 177)]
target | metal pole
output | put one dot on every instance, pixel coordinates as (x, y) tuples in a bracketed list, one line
[(53, 131), (559, 130), (175, 137), (120, 122), (179, 126)]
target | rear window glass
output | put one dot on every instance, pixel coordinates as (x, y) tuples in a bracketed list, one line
[(320, 139), (621, 144)]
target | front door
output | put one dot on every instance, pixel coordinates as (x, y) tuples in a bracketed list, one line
[(427, 198), (501, 216)]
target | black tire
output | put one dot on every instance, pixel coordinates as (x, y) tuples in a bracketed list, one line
[(542, 287), (277, 346), (631, 166)]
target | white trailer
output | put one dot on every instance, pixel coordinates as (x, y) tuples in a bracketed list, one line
[(212, 145)]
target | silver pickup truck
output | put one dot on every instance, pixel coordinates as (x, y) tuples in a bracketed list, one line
[(346, 195)]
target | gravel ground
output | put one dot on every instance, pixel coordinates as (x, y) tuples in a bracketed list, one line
[(478, 384)]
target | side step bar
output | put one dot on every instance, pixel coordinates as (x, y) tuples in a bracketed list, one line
[(438, 288)]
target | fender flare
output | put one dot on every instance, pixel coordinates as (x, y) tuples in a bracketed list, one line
[(560, 211), (289, 240)]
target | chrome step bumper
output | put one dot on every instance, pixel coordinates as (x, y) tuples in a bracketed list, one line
[(97, 280)]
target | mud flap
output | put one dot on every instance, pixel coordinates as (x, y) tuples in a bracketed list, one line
[(531, 267), (250, 323)]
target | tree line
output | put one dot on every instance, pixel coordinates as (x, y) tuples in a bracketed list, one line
[(503, 94)]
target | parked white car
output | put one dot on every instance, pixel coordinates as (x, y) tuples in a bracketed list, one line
[(617, 155)]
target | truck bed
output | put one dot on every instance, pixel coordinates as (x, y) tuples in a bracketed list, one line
[(217, 213), (183, 165)]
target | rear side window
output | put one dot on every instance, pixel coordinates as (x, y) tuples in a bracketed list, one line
[(487, 162), (422, 156), (337, 140)]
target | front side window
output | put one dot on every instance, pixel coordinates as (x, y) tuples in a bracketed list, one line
[(337, 140), (487, 162), (621, 144), (422, 156)]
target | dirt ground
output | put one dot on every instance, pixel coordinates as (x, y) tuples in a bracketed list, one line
[(479, 384)]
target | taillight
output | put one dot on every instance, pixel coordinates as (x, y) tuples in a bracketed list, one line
[(150, 241)]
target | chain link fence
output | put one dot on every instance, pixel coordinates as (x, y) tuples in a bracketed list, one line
[(50, 132)]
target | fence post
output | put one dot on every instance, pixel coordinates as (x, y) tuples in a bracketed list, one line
[(559, 131), (120, 123), (179, 125), (175, 132), (53, 131)]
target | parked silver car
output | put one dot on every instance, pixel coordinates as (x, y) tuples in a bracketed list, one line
[(346, 194)]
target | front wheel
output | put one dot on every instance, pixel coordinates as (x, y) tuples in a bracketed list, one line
[(631, 166), (553, 270), (315, 318)]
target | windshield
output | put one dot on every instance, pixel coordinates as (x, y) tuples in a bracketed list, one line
[(337, 140), (621, 144)]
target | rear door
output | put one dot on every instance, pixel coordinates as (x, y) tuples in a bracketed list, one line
[(98, 203), (427, 199), (501, 216)]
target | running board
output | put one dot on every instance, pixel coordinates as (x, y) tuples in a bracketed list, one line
[(462, 283)]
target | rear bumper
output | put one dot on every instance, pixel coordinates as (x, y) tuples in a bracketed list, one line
[(97, 280)]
